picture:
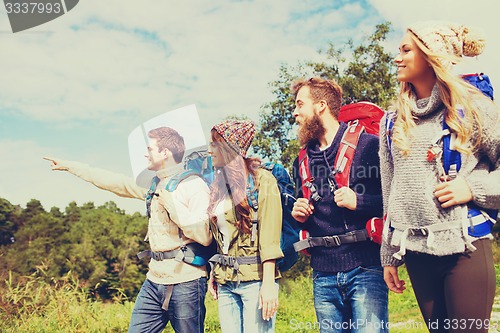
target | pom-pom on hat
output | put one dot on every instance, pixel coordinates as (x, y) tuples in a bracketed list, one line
[(237, 133), (449, 38)]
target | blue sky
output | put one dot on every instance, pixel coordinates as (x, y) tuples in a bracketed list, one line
[(76, 87)]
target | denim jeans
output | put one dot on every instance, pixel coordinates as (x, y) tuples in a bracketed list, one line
[(353, 301), (186, 309), (239, 308)]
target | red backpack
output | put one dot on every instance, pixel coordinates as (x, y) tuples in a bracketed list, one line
[(360, 117)]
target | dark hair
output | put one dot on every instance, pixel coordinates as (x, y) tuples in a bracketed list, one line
[(170, 139), (321, 89)]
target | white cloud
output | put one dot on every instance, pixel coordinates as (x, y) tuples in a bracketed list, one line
[(123, 64)]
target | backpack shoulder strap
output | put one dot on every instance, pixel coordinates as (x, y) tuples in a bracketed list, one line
[(252, 194), (452, 159), (150, 193), (390, 118), (178, 178), (345, 154), (305, 175)]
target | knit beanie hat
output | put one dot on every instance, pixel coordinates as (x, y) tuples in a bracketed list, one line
[(237, 133), (445, 38)]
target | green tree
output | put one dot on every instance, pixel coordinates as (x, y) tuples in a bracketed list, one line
[(104, 243), (364, 72), (7, 225)]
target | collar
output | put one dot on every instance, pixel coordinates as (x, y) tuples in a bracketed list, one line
[(425, 106), (170, 171)]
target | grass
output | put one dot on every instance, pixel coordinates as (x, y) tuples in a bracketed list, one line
[(41, 305)]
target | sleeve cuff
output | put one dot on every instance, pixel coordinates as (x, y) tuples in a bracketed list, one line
[(271, 253), (478, 190), (389, 260)]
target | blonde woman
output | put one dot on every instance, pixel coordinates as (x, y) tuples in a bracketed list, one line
[(426, 227), (244, 278)]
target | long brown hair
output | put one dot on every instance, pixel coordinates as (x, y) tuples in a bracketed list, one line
[(233, 178)]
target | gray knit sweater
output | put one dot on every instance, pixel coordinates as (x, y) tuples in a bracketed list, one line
[(408, 185)]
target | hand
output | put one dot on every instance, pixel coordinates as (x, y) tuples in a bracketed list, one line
[(212, 286), (392, 280), (57, 164), (345, 197), (165, 198), (302, 209), (268, 299), (454, 192)]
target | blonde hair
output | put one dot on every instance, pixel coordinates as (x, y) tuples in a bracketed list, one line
[(461, 101)]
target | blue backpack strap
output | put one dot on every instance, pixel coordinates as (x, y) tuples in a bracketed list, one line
[(252, 193), (253, 202), (150, 194), (178, 178), (451, 158)]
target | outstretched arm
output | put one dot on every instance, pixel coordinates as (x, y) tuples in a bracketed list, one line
[(119, 184)]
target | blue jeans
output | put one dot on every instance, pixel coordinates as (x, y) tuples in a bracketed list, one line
[(353, 301), (239, 308), (186, 308)]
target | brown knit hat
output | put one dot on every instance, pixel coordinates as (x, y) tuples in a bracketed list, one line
[(237, 133), (447, 38)]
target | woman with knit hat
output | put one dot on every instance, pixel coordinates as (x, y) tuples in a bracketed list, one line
[(450, 267), (244, 275)]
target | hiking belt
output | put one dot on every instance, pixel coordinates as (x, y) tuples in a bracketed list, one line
[(332, 241), (234, 262), (428, 231), (184, 253)]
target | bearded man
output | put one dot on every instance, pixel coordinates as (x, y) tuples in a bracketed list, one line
[(349, 290)]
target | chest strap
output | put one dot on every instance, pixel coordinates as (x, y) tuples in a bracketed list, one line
[(332, 241)]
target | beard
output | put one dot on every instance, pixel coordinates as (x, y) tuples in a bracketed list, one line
[(312, 128)]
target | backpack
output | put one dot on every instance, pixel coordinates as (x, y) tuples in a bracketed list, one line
[(481, 220), (201, 162), (198, 164), (366, 113), (289, 227), (360, 117), (481, 82)]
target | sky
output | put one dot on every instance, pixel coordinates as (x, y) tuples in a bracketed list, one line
[(77, 86)]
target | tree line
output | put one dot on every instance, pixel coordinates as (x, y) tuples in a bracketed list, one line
[(98, 245)]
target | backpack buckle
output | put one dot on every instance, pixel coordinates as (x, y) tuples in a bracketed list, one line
[(452, 173), (419, 232), (332, 241), (433, 152)]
